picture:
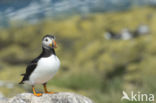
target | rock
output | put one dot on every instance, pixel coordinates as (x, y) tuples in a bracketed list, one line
[(3, 100), (62, 97), (1, 95)]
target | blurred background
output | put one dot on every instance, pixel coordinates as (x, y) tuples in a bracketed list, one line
[(105, 46)]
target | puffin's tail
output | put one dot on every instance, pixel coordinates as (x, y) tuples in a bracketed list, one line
[(22, 74)]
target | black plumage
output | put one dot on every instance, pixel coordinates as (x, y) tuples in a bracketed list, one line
[(32, 65)]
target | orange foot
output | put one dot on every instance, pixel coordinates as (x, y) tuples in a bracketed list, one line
[(38, 94), (50, 92)]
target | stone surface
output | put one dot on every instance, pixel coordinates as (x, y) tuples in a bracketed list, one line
[(62, 97), (3, 100)]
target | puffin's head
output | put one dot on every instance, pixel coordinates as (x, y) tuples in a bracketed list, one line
[(48, 42)]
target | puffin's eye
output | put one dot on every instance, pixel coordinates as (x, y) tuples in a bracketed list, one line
[(46, 39)]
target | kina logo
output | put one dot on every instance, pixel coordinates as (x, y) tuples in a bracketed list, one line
[(137, 96)]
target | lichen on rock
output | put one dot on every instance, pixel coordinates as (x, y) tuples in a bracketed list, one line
[(62, 97)]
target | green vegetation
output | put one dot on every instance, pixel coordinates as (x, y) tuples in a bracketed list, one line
[(98, 68)]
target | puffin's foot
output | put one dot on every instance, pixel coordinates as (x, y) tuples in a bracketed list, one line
[(50, 92), (34, 92), (38, 94), (46, 91)]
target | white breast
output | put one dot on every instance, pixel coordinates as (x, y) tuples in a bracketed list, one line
[(45, 70)]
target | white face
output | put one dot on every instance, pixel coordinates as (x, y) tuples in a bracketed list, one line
[(47, 42)]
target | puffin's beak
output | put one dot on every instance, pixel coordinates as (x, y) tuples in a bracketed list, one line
[(53, 44)]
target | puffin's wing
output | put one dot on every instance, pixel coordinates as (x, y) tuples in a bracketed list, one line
[(30, 68)]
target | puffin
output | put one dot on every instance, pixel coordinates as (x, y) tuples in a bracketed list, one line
[(41, 69), (111, 35)]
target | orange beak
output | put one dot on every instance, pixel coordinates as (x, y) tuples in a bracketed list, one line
[(53, 44)]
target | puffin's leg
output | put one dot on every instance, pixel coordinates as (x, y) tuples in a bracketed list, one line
[(45, 89), (34, 92)]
